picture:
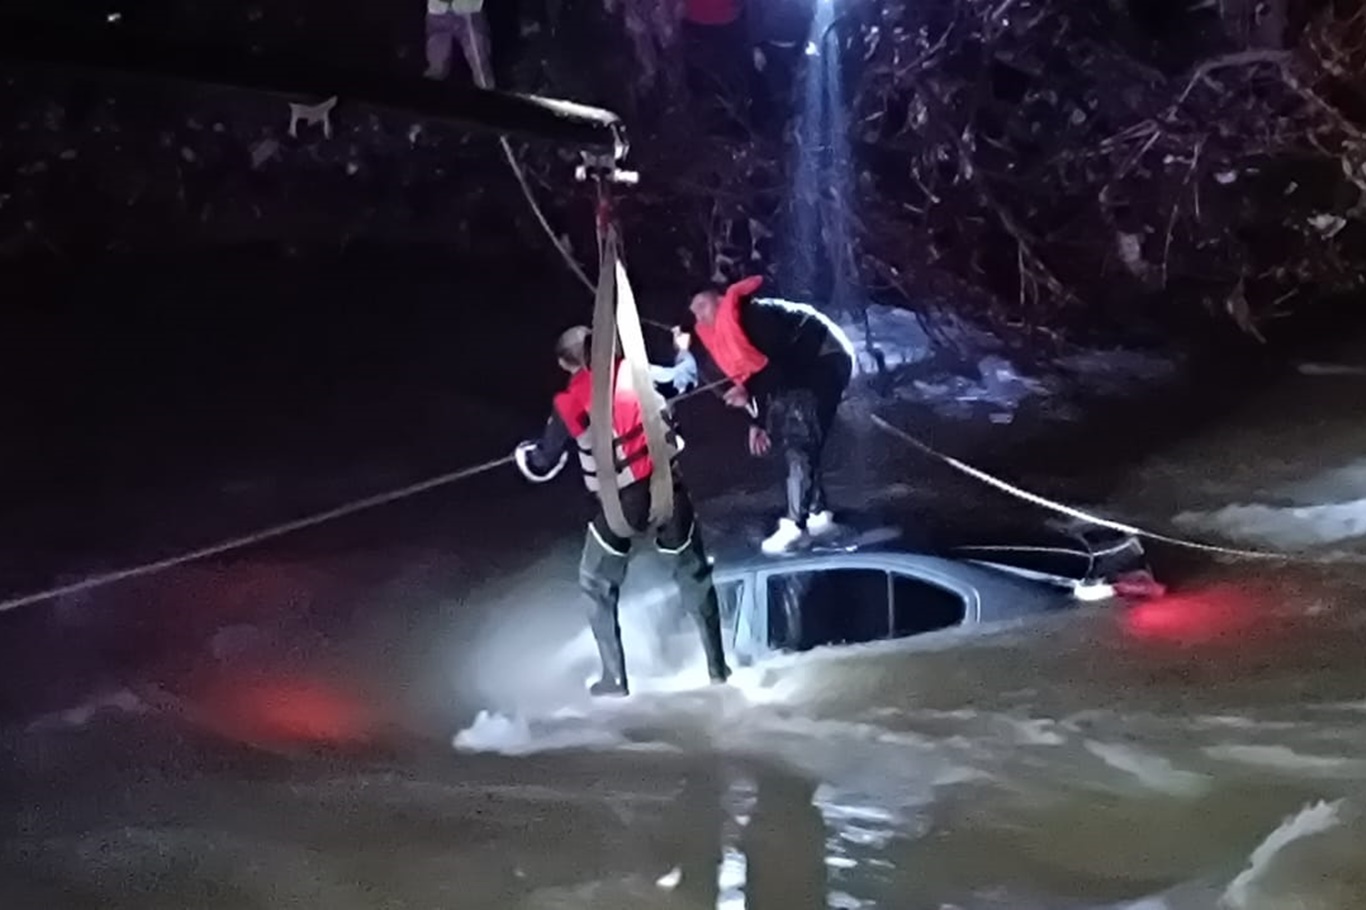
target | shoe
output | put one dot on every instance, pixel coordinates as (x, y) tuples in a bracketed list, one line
[(819, 524), (788, 535), (609, 688)]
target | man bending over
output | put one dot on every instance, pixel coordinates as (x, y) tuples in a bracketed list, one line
[(790, 366)]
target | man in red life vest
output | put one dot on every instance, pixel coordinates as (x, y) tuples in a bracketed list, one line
[(602, 569), (790, 366)]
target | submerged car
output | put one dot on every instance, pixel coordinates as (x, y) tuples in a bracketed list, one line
[(872, 589)]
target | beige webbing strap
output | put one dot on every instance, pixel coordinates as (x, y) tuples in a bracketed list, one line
[(603, 362), (615, 313), (651, 402)]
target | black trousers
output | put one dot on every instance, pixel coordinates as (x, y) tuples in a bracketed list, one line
[(799, 421), (606, 557), (775, 87)]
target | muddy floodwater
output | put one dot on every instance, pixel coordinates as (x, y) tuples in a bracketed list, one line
[(1101, 761), (1205, 750)]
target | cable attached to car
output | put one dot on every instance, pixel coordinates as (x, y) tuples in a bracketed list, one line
[(1080, 515)]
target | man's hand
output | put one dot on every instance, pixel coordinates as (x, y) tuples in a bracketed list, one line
[(736, 397), (682, 340), (759, 443)]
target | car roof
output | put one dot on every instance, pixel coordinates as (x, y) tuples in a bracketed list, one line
[(887, 546), (762, 562)]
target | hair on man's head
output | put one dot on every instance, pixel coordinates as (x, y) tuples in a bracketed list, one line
[(573, 346)]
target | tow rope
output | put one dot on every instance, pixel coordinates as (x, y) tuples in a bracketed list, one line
[(1080, 515), (370, 502), (237, 543)]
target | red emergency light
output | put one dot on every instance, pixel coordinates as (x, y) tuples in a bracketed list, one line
[(1192, 617), (289, 711)]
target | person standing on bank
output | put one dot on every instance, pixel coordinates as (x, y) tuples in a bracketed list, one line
[(458, 21), (606, 556), (780, 32), (790, 366)]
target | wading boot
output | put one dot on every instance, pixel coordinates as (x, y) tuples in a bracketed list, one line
[(609, 688), (708, 618), (613, 679)]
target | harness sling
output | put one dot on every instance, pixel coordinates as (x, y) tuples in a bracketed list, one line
[(616, 318)]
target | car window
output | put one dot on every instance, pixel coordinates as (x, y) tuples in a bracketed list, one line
[(808, 609), (920, 606), (728, 595)]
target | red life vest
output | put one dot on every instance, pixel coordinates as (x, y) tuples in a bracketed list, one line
[(725, 338), (712, 12), (630, 450)]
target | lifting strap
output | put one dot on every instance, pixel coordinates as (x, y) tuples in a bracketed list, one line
[(615, 317)]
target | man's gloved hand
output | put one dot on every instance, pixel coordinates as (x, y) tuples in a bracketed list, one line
[(736, 397), (682, 340), (759, 443), (519, 456), (682, 375), (760, 61)]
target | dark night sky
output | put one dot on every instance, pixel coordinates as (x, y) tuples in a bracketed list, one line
[(179, 363), (138, 374)]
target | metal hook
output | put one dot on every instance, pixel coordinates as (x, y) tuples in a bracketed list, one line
[(607, 166)]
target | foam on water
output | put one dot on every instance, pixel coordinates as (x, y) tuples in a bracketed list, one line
[(1252, 888), (505, 735), (1322, 507), (1288, 527), (1151, 771), (118, 701), (1289, 761)]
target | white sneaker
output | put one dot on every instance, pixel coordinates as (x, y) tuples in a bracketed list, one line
[(819, 524), (783, 539)]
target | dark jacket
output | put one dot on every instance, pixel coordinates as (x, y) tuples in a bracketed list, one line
[(794, 337)]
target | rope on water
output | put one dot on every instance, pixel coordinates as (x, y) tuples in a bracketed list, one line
[(246, 540), (1073, 512)]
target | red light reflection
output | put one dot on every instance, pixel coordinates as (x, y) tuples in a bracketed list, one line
[(1193, 617), (289, 710)]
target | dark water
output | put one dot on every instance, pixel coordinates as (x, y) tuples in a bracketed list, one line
[(387, 713)]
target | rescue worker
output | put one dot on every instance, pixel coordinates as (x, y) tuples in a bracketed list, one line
[(449, 21), (790, 366), (602, 568), (780, 32)]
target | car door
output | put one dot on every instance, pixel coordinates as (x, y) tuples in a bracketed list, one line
[(743, 631)]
